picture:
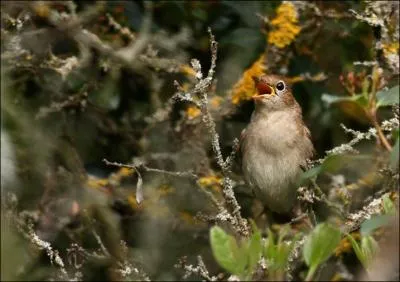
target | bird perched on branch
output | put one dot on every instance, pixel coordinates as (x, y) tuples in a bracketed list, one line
[(275, 145)]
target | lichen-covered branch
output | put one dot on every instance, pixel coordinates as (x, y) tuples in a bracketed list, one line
[(200, 269), (51, 253), (387, 125), (186, 174), (199, 94), (354, 220)]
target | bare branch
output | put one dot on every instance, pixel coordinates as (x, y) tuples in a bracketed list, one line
[(200, 91), (187, 174), (130, 52)]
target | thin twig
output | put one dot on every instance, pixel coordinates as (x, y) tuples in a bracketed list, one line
[(323, 197), (100, 242), (187, 174), (200, 269), (381, 136), (130, 52)]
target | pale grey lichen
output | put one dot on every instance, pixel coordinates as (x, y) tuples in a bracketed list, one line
[(385, 15), (51, 253), (199, 96), (200, 269), (356, 218)]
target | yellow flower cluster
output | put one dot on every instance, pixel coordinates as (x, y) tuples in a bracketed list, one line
[(97, 183), (284, 26), (211, 181), (317, 77), (134, 204), (42, 9), (215, 102), (113, 179), (153, 208), (345, 244), (152, 202), (187, 70), (192, 112), (391, 48), (121, 173), (189, 218), (244, 89)]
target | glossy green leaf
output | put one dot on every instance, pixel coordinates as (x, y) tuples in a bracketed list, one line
[(333, 163), (332, 99), (226, 251), (373, 223), (388, 97), (320, 244)]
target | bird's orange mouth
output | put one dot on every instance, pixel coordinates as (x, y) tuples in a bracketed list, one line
[(263, 89)]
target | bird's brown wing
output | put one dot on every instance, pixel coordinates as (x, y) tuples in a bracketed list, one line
[(242, 135), (240, 148), (311, 151), (305, 132)]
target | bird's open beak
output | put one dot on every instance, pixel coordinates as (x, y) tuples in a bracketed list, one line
[(263, 89)]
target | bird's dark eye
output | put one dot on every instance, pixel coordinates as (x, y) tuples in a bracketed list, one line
[(280, 86)]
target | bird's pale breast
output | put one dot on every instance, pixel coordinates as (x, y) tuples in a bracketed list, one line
[(274, 149)]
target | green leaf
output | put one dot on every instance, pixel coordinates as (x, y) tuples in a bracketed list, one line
[(320, 244), (369, 248), (282, 249), (365, 87), (254, 248), (311, 173), (388, 205), (357, 249), (394, 155), (388, 97), (282, 233), (277, 254), (373, 223), (332, 164), (365, 251), (241, 255), (226, 251), (270, 249), (335, 162), (332, 99)]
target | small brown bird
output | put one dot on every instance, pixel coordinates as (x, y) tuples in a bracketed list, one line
[(275, 144)]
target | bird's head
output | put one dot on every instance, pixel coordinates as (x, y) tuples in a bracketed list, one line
[(273, 93)]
